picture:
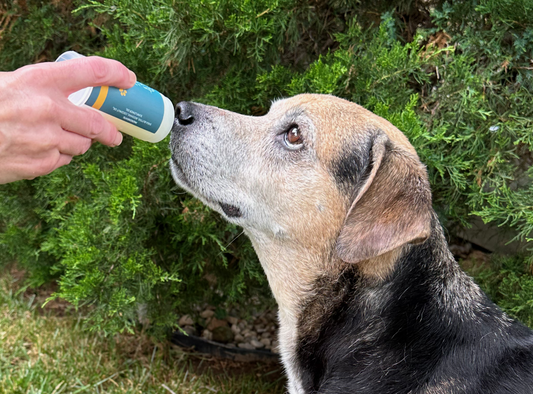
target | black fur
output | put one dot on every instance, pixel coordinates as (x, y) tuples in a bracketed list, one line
[(426, 329), (353, 166)]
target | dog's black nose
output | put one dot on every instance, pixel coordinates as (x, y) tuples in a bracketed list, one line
[(185, 113)]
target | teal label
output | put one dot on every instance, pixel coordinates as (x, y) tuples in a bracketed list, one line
[(140, 105)]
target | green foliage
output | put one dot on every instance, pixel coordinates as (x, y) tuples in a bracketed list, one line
[(34, 31), (187, 47), (509, 282), (486, 91), (119, 236)]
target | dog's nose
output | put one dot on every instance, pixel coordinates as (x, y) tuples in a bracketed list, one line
[(185, 113)]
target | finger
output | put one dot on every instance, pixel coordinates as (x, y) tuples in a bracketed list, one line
[(89, 123), (44, 166), (63, 160), (73, 144), (76, 74)]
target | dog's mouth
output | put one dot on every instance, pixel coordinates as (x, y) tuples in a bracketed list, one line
[(180, 177), (231, 211), (178, 173)]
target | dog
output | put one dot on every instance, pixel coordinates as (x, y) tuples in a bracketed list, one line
[(338, 208)]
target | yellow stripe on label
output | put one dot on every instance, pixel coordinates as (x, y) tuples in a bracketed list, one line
[(101, 97)]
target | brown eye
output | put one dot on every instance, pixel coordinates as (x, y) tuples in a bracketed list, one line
[(293, 138)]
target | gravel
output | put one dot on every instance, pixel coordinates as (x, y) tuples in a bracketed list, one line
[(260, 332)]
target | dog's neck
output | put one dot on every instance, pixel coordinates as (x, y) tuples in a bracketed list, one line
[(292, 272)]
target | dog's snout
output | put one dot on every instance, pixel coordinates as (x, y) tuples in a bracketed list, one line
[(185, 113)]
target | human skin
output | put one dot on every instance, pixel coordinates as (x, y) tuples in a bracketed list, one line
[(40, 129)]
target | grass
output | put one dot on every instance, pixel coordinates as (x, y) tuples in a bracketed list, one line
[(46, 351)]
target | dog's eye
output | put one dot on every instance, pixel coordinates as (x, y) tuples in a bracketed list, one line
[(293, 138)]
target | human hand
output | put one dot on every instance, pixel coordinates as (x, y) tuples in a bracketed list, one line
[(40, 129)]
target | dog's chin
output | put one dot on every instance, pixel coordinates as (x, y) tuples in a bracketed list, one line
[(231, 211), (179, 176)]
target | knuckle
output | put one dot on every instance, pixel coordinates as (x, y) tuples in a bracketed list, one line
[(34, 73), (96, 125), (32, 78), (100, 68), (49, 140), (84, 146), (108, 71), (46, 166), (46, 108)]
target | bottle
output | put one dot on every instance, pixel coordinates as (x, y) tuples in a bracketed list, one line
[(140, 111)]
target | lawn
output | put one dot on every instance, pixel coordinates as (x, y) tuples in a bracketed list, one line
[(47, 351)]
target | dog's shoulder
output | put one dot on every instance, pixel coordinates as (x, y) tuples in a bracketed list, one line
[(427, 328)]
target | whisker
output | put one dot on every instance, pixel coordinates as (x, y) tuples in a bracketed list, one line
[(234, 239)]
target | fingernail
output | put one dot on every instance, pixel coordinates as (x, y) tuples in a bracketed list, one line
[(133, 78), (118, 139)]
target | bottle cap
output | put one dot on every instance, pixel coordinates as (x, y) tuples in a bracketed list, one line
[(68, 55), (81, 96)]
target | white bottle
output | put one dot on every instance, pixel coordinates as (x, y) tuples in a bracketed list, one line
[(140, 111)]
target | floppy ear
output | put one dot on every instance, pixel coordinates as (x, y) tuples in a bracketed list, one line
[(391, 208)]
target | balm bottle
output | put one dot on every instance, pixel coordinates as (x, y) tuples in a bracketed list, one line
[(140, 111)]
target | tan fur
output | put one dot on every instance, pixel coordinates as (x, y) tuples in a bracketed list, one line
[(380, 267)]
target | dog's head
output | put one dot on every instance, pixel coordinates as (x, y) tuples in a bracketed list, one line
[(316, 176)]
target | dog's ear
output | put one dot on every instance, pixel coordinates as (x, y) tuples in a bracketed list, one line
[(392, 206)]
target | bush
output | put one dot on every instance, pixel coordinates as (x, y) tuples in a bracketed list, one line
[(114, 230), (508, 281)]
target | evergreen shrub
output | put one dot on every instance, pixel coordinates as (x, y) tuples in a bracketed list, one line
[(120, 237)]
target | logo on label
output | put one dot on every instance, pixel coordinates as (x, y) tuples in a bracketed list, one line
[(123, 92)]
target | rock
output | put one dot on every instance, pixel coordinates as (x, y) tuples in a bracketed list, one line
[(246, 346), (246, 333), (235, 328), (461, 250), (206, 334), (190, 330), (266, 334), (239, 338), (185, 320), (207, 314), (142, 314), (260, 329), (223, 334), (256, 344), (271, 316), (232, 320), (211, 279), (214, 323), (242, 325), (266, 342)]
